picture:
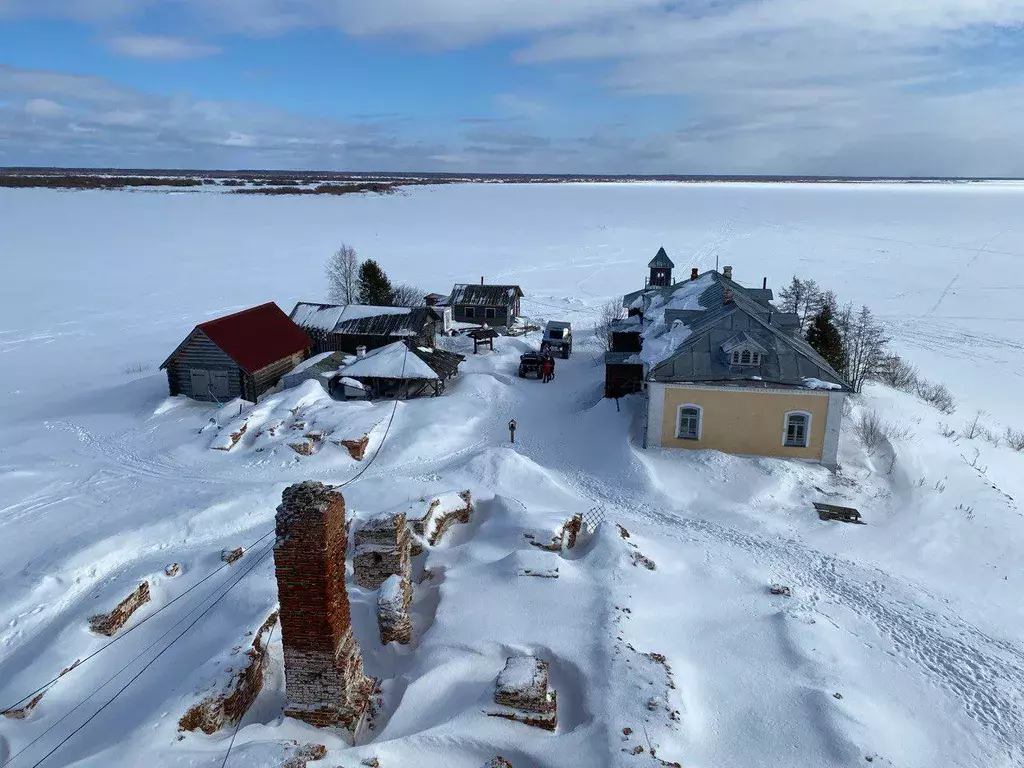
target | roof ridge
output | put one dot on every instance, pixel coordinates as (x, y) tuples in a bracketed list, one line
[(239, 313)]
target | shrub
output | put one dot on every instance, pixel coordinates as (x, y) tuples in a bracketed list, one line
[(898, 374), (873, 431), (973, 428), (1014, 438), (139, 367), (936, 395)]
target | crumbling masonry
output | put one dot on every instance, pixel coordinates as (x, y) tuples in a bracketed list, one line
[(382, 550), (324, 679)]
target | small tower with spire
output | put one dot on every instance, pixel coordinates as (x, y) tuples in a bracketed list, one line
[(661, 269)]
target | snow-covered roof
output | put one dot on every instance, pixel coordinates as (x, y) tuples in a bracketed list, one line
[(328, 317), (305, 365), (484, 295), (394, 361)]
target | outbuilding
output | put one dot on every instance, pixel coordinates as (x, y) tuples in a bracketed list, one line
[(239, 355), (495, 305)]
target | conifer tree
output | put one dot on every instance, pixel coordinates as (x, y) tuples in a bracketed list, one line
[(374, 287), (825, 339)]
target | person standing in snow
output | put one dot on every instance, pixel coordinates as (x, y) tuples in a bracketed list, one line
[(545, 369)]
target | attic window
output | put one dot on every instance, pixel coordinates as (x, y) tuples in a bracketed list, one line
[(746, 357)]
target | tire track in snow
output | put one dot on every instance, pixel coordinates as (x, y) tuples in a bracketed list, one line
[(985, 673)]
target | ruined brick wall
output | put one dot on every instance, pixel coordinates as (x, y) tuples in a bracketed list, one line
[(382, 549), (522, 687), (439, 517), (229, 705), (324, 678), (393, 604), (108, 623)]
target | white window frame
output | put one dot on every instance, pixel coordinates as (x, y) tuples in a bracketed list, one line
[(807, 428), (490, 313), (736, 358), (471, 312), (679, 419)]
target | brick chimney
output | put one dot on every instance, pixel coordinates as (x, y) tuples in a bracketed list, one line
[(430, 301), (727, 296), (693, 273), (727, 273), (323, 668), (360, 351)]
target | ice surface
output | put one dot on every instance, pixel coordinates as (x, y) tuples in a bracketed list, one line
[(914, 619)]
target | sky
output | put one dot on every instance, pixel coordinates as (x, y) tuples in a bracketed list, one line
[(822, 87)]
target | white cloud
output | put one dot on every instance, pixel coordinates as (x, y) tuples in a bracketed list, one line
[(237, 139), (43, 108), (159, 47)]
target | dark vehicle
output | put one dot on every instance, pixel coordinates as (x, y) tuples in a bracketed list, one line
[(531, 364), (558, 338)]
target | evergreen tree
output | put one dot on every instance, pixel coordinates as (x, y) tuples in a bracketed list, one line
[(826, 340), (374, 287)]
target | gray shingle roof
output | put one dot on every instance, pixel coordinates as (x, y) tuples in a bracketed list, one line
[(471, 294), (661, 260), (362, 320), (788, 358)]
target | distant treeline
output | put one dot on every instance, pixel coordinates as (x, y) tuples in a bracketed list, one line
[(94, 182), (319, 189)]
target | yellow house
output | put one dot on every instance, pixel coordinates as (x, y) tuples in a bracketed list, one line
[(725, 370)]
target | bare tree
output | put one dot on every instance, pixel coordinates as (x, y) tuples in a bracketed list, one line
[(406, 295), (343, 275), (865, 342), (804, 299), (610, 311)]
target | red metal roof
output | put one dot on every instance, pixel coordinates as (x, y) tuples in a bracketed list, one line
[(255, 338)]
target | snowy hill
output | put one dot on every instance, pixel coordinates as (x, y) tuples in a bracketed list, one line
[(902, 641)]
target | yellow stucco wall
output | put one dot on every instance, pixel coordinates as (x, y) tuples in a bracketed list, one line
[(745, 421)]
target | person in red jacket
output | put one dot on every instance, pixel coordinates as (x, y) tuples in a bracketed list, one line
[(546, 369)]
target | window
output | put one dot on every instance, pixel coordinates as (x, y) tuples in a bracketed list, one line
[(745, 357), (489, 313), (470, 311), (688, 424), (798, 428)]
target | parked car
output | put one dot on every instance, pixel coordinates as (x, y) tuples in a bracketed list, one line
[(530, 365), (558, 338)]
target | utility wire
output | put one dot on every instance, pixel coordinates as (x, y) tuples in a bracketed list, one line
[(131, 629), (238, 725), (138, 674), (259, 559)]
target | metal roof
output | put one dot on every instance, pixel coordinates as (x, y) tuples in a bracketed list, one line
[(363, 320), (254, 338), (661, 260), (471, 294)]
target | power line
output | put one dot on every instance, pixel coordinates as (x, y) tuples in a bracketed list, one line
[(131, 629), (238, 725), (138, 674), (259, 559)]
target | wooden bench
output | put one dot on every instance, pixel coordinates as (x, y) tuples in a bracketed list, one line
[(842, 514)]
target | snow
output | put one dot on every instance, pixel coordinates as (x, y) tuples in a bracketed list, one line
[(391, 596), (914, 619), (352, 383), (812, 383), (520, 673), (309, 363), (394, 361), (327, 318)]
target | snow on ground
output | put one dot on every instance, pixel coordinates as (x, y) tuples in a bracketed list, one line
[(903, 640)]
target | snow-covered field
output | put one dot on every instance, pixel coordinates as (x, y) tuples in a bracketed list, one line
[(902, 643)]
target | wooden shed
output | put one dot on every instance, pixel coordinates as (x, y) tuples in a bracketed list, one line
[(239, 355)]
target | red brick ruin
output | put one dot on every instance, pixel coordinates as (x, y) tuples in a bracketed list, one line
[(108, 623), (324, 679)]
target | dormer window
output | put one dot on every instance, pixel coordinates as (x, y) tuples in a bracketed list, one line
[(746, 357)]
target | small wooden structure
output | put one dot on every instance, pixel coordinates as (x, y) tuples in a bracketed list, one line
[(833, 512), (402, 370), (239, 355), (492, 304), (483, 336)]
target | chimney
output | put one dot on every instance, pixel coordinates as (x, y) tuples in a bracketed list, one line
[(481, 279), (360, 351), (727, 296), (764, 284), (431, 300), (693, 273), (727, 273)]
